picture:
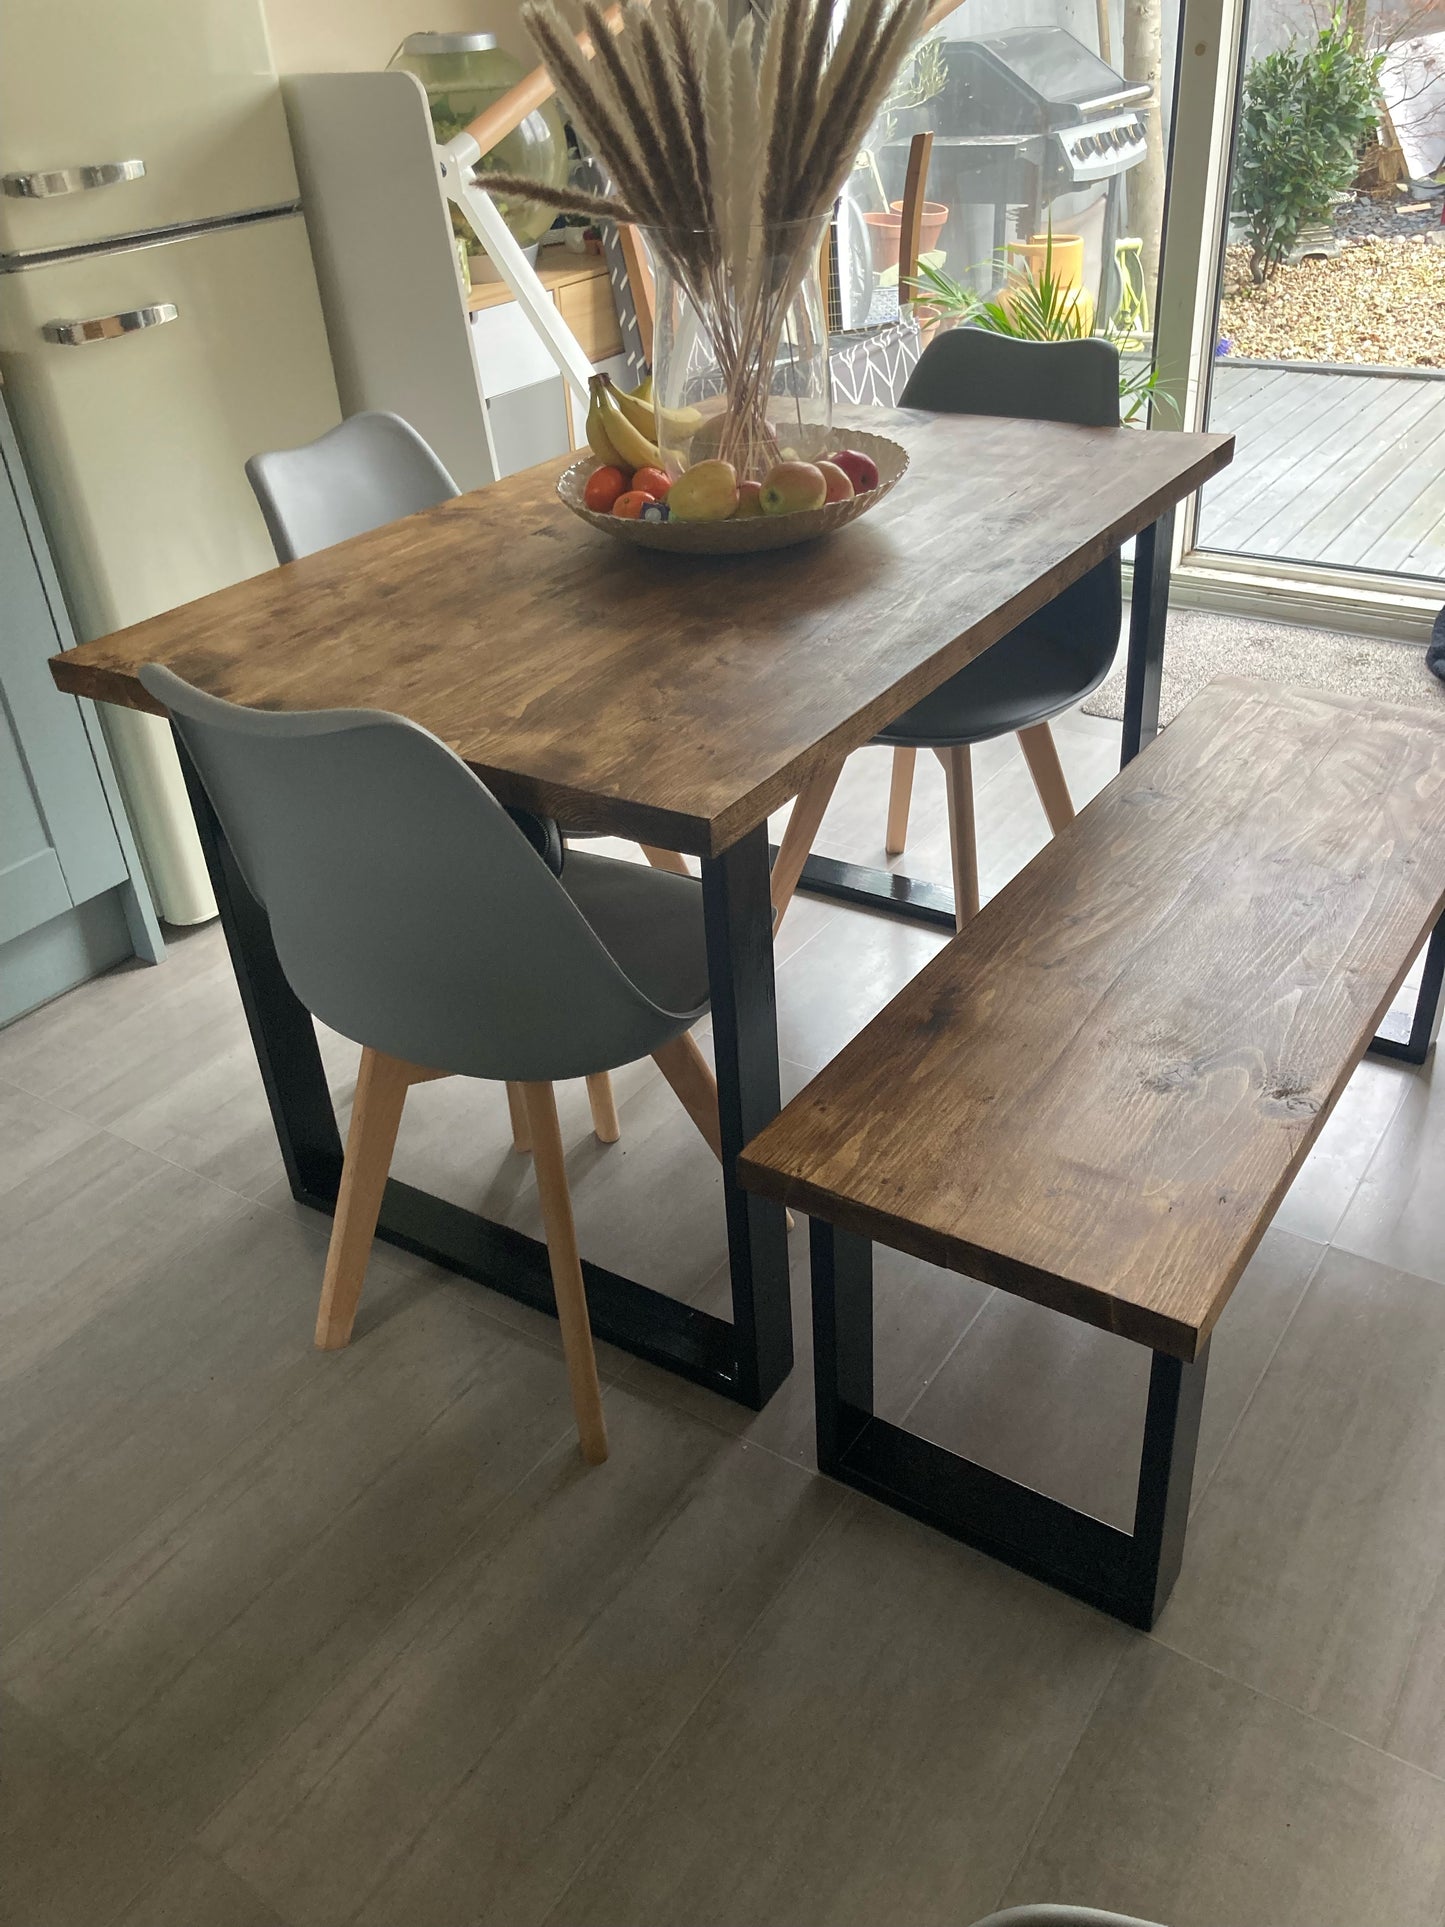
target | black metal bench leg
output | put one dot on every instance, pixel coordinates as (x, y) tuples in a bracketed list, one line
[(1127, 1574), (1411, 1044)]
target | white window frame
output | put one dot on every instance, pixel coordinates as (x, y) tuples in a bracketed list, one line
[(1185, 315)]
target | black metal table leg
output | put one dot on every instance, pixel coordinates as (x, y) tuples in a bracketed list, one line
[(1127, 1574), (1148, 612), (746, 1361), (1409, 1040), (739, 918)]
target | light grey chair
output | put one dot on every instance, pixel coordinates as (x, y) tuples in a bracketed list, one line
[(1037, 670), (371, 469), (412, 915)]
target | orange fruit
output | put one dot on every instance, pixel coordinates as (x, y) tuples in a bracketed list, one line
[(604, 485), (631, 504), (654, 482)]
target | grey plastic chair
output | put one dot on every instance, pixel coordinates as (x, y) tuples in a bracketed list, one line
[(411, 914), (371, 469), (1037, 670)]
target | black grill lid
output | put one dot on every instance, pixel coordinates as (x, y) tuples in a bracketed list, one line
[(1057, 68)]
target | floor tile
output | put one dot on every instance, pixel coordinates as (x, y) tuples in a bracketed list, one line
[(1195, 1801), (1316, 1563), (474, 1754), (1397, 1213), (192, 1650), (33, 1134), (1320, 1196), (74, 1848), (86, 1230), (197, 1891), (149, 1396), (878, 1751), (1060, 1406)]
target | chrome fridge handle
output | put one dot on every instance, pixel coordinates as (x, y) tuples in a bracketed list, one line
[(45, 182), (109, 327)]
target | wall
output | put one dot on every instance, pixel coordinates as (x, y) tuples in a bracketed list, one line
[(335, 36)]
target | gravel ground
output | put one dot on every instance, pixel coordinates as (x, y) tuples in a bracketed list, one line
[(1379, 301)]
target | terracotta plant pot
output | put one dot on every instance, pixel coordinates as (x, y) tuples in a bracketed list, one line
[(885, 233)]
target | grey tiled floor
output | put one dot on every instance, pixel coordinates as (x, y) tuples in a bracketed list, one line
[(293, 1640)]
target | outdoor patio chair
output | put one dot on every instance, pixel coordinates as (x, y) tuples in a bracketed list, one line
[(411, 915)]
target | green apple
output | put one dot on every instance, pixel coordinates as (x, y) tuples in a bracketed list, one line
[(707, 492), (792, 486)]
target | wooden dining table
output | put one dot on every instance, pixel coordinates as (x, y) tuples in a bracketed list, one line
[(678, 700)]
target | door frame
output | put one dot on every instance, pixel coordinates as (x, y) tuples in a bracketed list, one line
[(1186, 308)]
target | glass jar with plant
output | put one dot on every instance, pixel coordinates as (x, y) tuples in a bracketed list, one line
[(1305, 115)]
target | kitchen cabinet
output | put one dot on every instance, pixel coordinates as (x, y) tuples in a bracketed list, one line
[(73, 901)]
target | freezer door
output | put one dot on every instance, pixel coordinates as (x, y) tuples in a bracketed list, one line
[(87, 87), (135, 442)]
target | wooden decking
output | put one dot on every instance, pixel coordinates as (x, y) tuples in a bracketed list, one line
[(1343, 469)]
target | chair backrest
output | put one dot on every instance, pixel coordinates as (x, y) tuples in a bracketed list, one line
[(370, 469), (969, 371), (408, 911), (972, 372)]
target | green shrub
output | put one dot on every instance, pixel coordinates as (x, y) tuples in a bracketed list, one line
[(1306, 110)]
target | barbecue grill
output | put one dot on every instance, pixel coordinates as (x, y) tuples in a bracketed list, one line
[(1026, 118)]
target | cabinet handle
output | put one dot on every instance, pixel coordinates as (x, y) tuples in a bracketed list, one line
[(44, 183), (108, 327)]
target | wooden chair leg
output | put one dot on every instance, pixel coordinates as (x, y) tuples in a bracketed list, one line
[(517, 1110), (695, 1087), (962, 836), (604, 1108), (1041, 753), (690, 1075), (809, 809), (900, 796), (566, 1267), (381, 1087), (665, 860)]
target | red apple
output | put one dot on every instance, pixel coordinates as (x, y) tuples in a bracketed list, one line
[(840, 489), (861, 470)]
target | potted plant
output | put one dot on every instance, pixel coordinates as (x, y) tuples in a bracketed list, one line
[(1305, 114), (921, 79)]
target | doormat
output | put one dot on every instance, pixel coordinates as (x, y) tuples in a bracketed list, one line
[(1200, 645)]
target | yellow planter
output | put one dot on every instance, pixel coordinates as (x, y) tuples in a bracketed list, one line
[(1062, 255)]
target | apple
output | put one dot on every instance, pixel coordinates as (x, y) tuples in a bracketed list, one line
[(840, 489), (792, 486), (861, 470), (748, 503), (707, 492)]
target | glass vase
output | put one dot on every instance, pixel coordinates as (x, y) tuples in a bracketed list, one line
[(740, 349)]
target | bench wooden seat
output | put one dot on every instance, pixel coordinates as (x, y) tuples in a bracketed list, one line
[(1096, 1096)]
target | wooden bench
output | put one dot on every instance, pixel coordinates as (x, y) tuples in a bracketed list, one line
[(1097, 1095)]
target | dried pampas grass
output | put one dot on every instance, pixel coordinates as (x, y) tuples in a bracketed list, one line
[(730, 154)]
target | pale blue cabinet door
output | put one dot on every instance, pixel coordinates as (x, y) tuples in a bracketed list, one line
[(58, 842)]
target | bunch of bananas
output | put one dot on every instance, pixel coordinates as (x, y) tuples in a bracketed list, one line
[(620, 425)]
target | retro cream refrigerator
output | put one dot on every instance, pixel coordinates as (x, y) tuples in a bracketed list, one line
[(159, 322)]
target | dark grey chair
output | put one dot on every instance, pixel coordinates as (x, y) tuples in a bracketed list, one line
[(1036, 671), (412, 915)]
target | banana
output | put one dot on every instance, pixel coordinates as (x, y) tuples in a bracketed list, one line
[(676, 423), (598, 440), (632, 447), (643, 390)]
